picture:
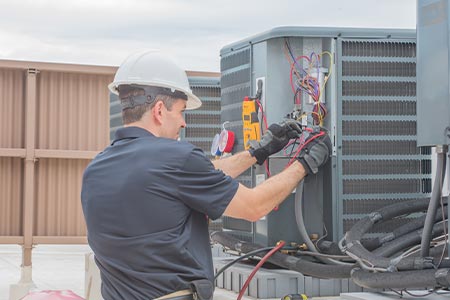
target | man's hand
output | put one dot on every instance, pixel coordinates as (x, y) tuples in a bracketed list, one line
[(276, 137), (316, 152)]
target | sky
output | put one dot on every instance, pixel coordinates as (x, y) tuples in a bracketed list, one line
[(192, 32)]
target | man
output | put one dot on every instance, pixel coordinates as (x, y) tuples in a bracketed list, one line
[(146, 198)]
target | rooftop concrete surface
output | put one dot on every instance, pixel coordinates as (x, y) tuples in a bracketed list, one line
[(59, 267), (62, 267)]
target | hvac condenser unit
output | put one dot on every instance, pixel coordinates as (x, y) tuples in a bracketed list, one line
[(370, 98)]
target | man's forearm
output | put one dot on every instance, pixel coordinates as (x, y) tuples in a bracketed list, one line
[(236, 164), (275, 189), (253, 203)]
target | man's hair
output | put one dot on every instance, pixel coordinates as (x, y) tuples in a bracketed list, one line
[(134, 114)]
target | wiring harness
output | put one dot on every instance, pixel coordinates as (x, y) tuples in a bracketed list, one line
[(304, 77)]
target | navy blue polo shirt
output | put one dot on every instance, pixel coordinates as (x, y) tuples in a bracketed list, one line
[(146, 201)]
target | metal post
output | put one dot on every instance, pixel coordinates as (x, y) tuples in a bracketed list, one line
[(17, 291)]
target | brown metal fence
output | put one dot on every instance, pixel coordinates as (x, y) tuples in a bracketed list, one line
[(54, 118)]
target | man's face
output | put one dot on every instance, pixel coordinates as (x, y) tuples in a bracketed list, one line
[(173, 120)]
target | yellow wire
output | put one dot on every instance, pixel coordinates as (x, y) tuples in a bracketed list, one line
[(329, 71), (319, 116)]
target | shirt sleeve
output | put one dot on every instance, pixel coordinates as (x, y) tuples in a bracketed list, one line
[(204, 188)]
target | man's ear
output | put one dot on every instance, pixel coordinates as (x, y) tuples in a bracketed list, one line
[(157, 111)]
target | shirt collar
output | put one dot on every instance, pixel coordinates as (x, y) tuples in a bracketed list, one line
[(131, 133)]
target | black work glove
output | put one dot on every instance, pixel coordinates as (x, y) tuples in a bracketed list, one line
[(276, 137), (315, 153)]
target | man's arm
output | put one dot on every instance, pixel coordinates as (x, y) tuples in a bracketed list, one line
[(252, 204), (236, 164)]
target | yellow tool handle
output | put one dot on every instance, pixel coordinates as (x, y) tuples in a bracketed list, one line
[(295, 297)]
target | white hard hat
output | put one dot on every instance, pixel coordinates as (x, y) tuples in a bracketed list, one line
[(152, 68)]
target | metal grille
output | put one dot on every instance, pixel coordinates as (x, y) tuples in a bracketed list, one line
[(235, 84), (211, 105), (373, 108), (379, 68), (378, 88), (383, 49), (204, 90), (378, 158), (366, 206), (192, 131), (383, 147), (205, 121), (386, 186), (385, 166), (206, 118), (379, 228), (377, 128), (236, 59)]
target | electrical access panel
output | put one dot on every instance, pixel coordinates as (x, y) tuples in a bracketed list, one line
[(433, 94)]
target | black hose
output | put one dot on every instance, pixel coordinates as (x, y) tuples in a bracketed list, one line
[(408, 240), (401, 280), (434, 202), (328, 247), (371, 244), (416, 224), (399, 234), (354, 248), (383, 214), (436, 252), (332, 248), (286, 261)]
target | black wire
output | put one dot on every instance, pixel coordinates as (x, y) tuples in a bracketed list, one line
[(297, 91), (429, 292), (251, 253), (293, 146), (397, 292), (418, 296), (286, 41)]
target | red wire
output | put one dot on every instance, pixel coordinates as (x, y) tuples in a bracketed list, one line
[(294, 157), (266, 164), (262, 112), (258, 266), (291, 80)]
